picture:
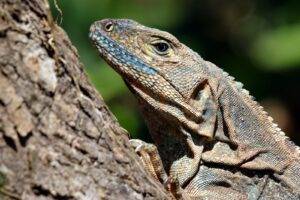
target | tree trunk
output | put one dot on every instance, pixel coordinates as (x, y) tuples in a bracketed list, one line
[(58, 140)]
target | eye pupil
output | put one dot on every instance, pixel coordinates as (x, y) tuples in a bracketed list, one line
[(109, 26), (161, 47)]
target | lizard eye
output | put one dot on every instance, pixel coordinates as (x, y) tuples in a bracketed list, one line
[(109, 26), (161, 47)]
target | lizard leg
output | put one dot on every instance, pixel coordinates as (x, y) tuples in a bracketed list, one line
[(150, 158)]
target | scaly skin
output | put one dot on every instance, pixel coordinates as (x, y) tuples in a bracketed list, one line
[(214, 140)]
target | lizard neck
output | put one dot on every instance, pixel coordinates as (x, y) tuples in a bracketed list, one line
[(256, 109), (251, 128)]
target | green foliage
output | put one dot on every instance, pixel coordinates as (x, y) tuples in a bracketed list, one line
[(278, 49), (128, 118), (107, 81)]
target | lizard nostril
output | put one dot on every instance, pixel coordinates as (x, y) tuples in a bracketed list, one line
[(109, 26)]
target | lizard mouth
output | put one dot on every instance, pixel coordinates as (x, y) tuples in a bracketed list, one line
[(118, 57)]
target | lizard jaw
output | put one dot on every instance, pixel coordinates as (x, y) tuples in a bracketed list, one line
[(121, 59)]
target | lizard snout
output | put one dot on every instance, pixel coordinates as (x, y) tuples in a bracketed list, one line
[(94, 29)]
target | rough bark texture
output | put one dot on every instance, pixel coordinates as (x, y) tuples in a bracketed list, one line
[(58, 140)]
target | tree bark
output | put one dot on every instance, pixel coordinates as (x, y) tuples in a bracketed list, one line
[(58, 140)]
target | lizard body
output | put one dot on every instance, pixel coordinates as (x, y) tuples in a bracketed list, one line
[(214, 140)]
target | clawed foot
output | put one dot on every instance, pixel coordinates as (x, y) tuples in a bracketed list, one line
[(149, 155)]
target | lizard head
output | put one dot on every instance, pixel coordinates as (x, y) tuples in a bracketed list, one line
[(157, 68), (140, 53)]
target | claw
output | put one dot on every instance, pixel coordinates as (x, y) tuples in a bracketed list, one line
[(138, 145)]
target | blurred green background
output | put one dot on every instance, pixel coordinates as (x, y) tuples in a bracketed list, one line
[(256, 41)]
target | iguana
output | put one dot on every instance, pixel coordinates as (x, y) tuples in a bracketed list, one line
[(214, 141)]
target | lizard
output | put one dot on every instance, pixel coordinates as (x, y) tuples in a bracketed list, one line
[(212, 140)]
